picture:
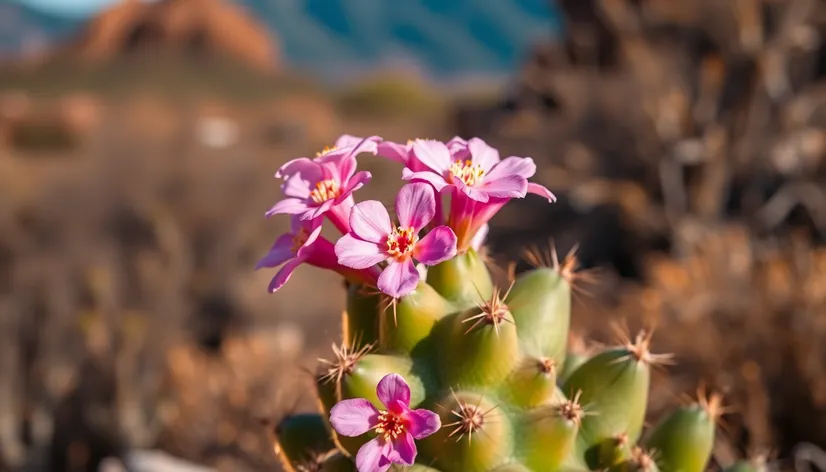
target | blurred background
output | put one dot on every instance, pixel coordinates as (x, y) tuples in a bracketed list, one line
[(138, 141)]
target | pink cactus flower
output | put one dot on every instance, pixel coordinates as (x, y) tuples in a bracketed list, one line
[(404, 154), (305, 245), (374, 239), (396, 428), (325, 185), (475, 169), (478, 181)]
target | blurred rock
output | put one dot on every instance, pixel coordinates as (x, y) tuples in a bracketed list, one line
[(150, 461), (196, 28)]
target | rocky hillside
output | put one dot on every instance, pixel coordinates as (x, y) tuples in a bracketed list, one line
[(195, 27), (447, 37)]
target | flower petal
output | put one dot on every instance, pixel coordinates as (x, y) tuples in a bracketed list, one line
[(482, 154), (508, 186), (280, 252), (415, 205), (404, 450), (523, 166), (370, 221), (283, 275), (391, 389), (437, 246), (290, 206), (347, 140), (542, 191), (398, 278), (309, 169), (480, 236), (437, 181), (393, 151), (358, 253), (357, 181), (369, 457), (298, 186), (423, 423), (354, 417), (433, 154), (473, 192)]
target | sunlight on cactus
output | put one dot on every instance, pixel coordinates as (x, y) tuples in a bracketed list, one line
[(439, 369)]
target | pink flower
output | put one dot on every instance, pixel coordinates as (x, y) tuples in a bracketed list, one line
[(374, 239), (397, 427), (325, 185), (404, 154), (303, 244), (478, 181)]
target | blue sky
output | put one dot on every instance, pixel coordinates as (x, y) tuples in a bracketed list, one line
[(69, 7)]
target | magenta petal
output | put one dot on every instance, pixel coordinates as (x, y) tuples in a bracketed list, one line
[(437, 181), (423, 423), (474, 193), (404, 450), (415, 205), (479, 238), (309, 169), (433, 154), (357, 253), (283, 275), (437, 246), (509, 186), (523, 166), (369, 457), (290, 206), (482, 154), (354, 417), (279, 253), (393, 151), (297, 186), (398, 278), (370, 221), (347, 140), (357, 181), (391, 389), (540, 190)]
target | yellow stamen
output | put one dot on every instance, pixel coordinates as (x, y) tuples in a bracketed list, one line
[(467, 172)]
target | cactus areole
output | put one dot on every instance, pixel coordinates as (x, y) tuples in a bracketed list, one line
[(439, 369)]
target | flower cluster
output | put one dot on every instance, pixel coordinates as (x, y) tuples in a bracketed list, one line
[(374, 250)]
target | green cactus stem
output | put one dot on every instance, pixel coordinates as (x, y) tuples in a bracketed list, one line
[(540, 301), (684, 439), (640, 461), (549, 433), (361, 322), (464, 280), (405, 323), (615, 385), (532, 383), (482, 345), (476, 434), (301, 440)]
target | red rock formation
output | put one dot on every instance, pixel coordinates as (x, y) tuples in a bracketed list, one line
[(192, 27)]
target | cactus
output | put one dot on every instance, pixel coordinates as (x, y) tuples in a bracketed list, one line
[(485, 359)]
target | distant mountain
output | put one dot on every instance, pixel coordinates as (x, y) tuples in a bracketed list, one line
[(25, 30), (333, 37)]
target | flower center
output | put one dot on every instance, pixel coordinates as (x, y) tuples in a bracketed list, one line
[(467, 172), (401, 242), (299, 239), (390, 425), (325, 190), (326, 150)]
